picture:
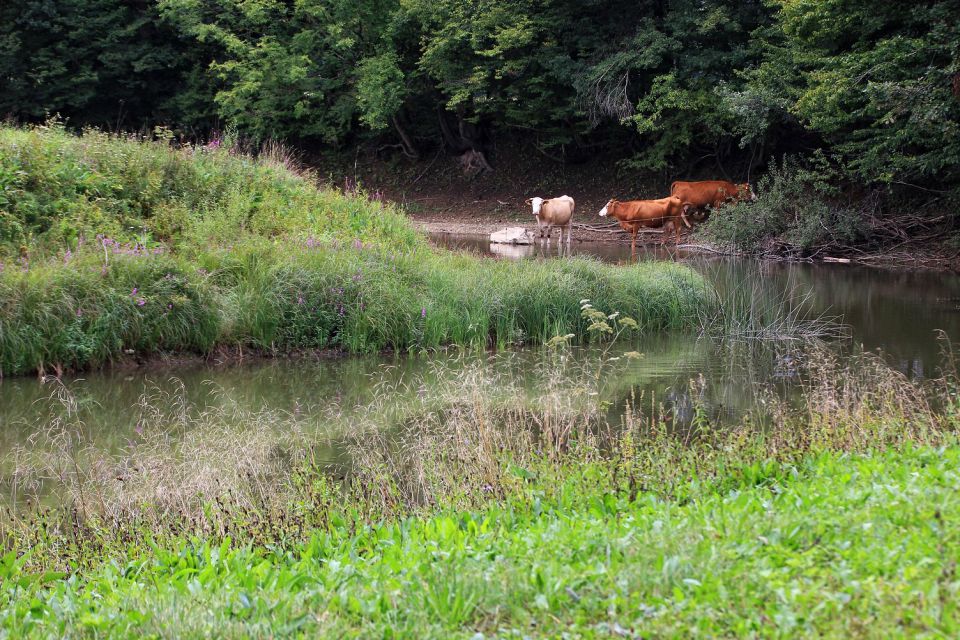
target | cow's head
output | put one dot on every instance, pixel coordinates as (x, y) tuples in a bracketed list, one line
[(745, 192), (536, 203), (606, 208)]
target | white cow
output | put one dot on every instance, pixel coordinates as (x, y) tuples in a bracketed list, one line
[(555, 211)]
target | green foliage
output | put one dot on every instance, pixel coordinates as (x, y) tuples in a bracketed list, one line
[(798, 207), (689, 88), (380, 90), (108, 63), (876, 80), (286, 71), (679, 109)]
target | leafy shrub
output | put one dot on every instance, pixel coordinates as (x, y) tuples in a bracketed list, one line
[(798, 205)]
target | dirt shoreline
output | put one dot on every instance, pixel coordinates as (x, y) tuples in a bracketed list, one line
[(581, 233), (926, 258)]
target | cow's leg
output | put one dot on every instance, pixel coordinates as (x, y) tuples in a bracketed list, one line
[(633, 244)]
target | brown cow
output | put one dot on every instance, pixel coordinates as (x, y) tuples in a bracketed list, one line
[(710, 193), (647, 213)]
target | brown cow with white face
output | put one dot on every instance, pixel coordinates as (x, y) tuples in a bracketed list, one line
[(635, 214)]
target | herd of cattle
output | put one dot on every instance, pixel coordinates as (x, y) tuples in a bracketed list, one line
[(686, 198)]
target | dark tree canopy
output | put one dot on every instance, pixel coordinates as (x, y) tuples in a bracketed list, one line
[(666, 83)]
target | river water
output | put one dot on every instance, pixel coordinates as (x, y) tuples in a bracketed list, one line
[(897, 312)]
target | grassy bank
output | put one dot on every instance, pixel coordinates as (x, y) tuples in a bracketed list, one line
[(837, 545), (114, 247), (487, 515)]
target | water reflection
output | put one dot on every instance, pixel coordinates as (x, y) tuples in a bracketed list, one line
[(899, 312)]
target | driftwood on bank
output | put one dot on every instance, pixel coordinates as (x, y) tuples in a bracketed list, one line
[(613, 228)]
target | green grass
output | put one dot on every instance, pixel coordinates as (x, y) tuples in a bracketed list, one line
[(835, 545), (115, 246), (57, 189)]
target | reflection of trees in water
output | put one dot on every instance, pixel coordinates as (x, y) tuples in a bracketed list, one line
[(727, 380)]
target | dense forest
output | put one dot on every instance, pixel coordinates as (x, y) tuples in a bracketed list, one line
[(824, 96)]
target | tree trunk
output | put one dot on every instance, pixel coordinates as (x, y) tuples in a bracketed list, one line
[(409, 149), (467, 141)]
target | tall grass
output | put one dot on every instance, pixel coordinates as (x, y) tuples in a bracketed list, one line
[(745, 306), (118, 246), (57, 189), (84, 312), (267, 477)]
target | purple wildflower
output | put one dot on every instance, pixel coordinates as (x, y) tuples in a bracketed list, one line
[(423, 312), (299, 299), (134, 292), (357, 244), (141, 302)]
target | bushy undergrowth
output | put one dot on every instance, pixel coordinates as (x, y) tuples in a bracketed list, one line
[(484, 515), (798, 208), (58, 189), (118, 246)]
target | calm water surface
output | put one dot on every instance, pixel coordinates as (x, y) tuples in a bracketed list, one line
[(899, 313)]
